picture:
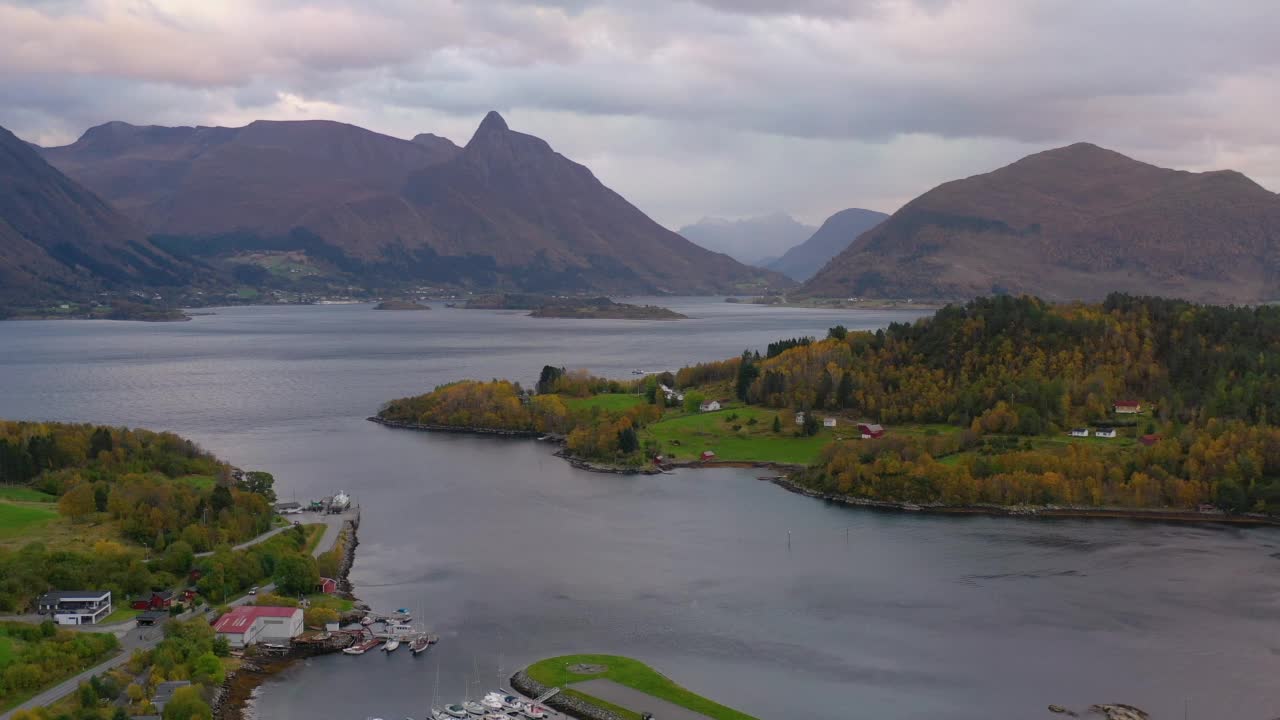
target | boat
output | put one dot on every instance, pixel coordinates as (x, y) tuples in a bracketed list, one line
[(361, 648), (534, 712), (400, 629), (512, 702), (391, 645), (367, 620), (493, 701), (437, 714), (419, 644), (474, 707), (455, 711)]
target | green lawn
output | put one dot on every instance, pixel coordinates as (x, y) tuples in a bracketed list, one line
[(22, 493), (120, 614), (16, 520), (333, 602), (6, 651), (554, 672), (607, 401), (751, 443)]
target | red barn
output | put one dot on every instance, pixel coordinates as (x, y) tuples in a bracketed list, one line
[(708, 455), (157, 600), (1149, 440), (328, 586), (870, 431)]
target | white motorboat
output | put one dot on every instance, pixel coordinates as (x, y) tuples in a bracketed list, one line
[(367, 620), (492, 701), (391, 645), (438, 714), (534, 712), (474, 708), (455, 711)]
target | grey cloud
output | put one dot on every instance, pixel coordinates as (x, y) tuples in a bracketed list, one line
[(743, 89)]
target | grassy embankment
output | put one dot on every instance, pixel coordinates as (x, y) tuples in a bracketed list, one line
[(555, 672)]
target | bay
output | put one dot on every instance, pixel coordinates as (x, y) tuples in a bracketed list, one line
[(511, 555)]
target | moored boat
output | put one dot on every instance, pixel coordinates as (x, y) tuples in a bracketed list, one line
[(534, 712), (391, 645), (419, 644), (455, 711), (474, 707)]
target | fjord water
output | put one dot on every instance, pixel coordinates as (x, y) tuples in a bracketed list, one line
[(510, 554)]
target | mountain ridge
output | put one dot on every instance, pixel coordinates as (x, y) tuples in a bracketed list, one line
[(834, 235), (336, 203), (1071, 223), (757, 240)]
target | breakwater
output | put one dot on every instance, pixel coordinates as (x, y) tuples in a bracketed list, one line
[(567, 703), (1043, 511)]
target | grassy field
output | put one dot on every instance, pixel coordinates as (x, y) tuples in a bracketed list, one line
[(632, 673), (608, 401), (22, 519), (750, 443), (21, 493)]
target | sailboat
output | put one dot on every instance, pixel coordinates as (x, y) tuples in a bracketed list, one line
[(436, 712)]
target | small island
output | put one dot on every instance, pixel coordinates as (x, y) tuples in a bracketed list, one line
[(576, 308), (605, 686), (400, 305)]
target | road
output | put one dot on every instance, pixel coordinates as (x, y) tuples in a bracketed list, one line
[(144, 638)]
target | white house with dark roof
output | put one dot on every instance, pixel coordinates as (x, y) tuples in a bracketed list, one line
[(75, 607)]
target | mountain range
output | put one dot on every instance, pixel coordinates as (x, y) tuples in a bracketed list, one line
[(837, 233), (755, 240), (318, 202), (1076, 222), (58, 238)]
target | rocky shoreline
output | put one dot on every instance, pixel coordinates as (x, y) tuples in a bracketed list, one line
[(1045, 511), (454, 429)]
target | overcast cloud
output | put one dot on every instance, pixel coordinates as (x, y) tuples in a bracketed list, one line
[(687, 107)]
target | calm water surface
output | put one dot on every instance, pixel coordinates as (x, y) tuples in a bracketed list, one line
[(511, 555)]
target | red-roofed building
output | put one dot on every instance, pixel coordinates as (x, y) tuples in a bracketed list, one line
[(1149, 440), (870, 431), (328, 586), (249, 624)]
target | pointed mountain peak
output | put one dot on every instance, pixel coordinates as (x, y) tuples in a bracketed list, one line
[(492, 122)]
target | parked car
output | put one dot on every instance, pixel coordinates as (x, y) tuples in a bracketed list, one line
[(253, 590)]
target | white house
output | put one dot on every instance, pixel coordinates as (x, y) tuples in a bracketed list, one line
[(1105, 432), (248, 624), (828, 422), (1127, 407), (709, 406), (799, 418), (1079, 432), (75, 607), (670, 393)]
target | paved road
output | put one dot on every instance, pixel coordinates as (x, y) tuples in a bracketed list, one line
[(148, 637)]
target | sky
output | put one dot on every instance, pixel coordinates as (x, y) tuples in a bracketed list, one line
[(689, 108)]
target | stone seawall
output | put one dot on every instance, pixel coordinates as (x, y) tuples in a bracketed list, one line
[(456, 429), (570, 705)]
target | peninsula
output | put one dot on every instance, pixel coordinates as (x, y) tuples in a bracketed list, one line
[(1142, 407)]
